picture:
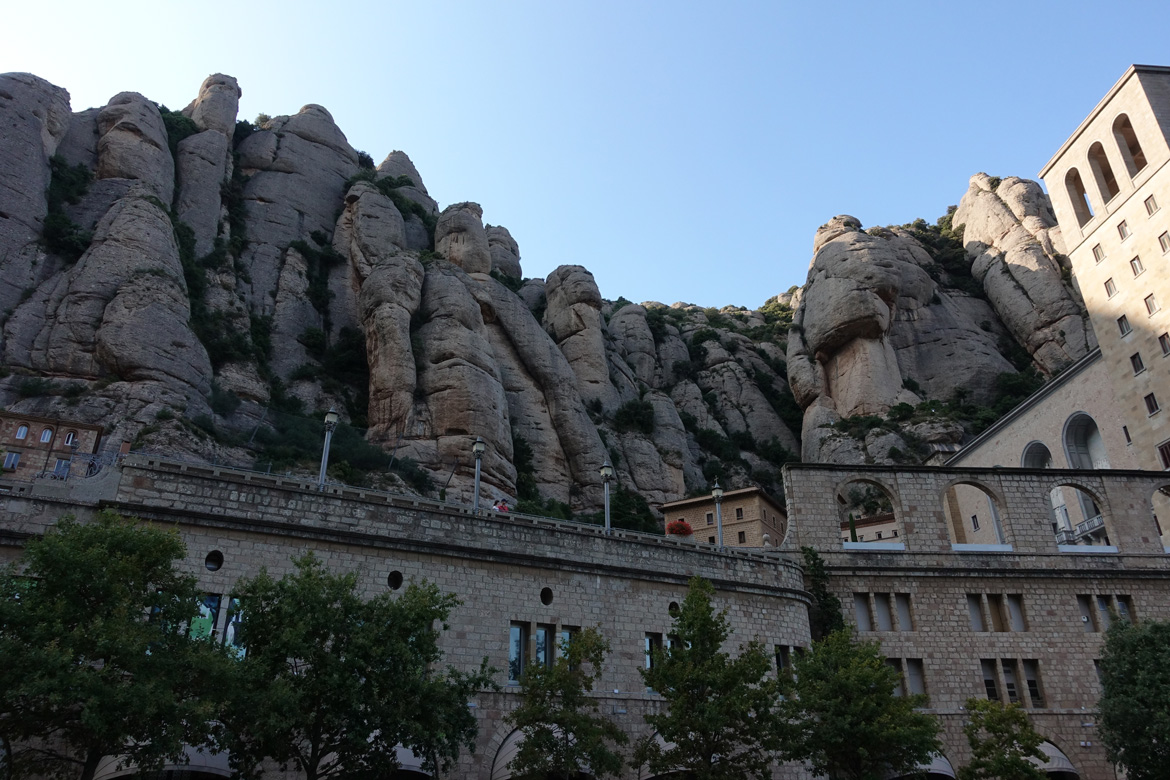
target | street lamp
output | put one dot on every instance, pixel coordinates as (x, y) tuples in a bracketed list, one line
[(717, 494), (330, 424), (606, 476), (477, 448)]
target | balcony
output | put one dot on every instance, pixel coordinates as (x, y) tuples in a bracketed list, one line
[(1090, 527), (1066, 536)]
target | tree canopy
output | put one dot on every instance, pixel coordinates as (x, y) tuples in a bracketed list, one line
[(843, 715), (720, 721), (563, 734), (331, 683), (96, 661), (1001, 739), (1135, 706)]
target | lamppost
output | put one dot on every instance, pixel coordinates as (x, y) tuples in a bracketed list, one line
[(717, 494), (477, 448), (330, 424), (606, 476)]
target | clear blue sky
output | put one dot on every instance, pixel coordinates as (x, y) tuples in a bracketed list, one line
[(680, 151)]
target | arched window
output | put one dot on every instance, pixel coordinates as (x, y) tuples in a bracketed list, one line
[(1102, 172), (46, 435), (868, 514), (1078, 196), (1036, 456), (1083, 443), (70, 438), (1127, 144), (972, 515), (22, 432)]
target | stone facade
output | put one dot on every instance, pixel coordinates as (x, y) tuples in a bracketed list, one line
[(916, 596), (1110, 188), (750, 518), (35, 445), (507, 570)]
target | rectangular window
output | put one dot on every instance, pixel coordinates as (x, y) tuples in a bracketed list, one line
[(567, 634), (1151, 303), (861, 611), (915, 677), (203, 624), (1085, 604), (1110, 287), (1136, 266), (896, 665), (1015, 604), (989, 679), (975, 612), (739, 513), (1151, 205), (1164, 343), (11, 460), (1123, 230), (974, 522), (1164, 241), (231, 628), (61, 467), (905, 617), (1152, 404), (1105, 619), (710, 518), (883, 617), (1164, 454), (1125, 609), (517, 650), (1123, 325), (879, 534), (1032, 678), (995, 607), (1135, 360), (1125, 432), (1009, 681), (742, 537), (544, 644), (782, 657), (1098, 253), (710, 540), (653, 643)]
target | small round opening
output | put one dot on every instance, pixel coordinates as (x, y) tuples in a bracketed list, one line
[(394, 580), (214, 560), (673, 609), (546, 596)]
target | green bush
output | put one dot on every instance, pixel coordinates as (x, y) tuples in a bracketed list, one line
[(34, 387), (223, 402), (636, 416), (178, 128), (513, 283), (67, 184), (859, 425)]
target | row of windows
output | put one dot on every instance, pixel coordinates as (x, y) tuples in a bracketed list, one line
[(1008, 670), (543, 651), (986, 612), (12, 461), (1136, 262), (1132, 156), (1152, 306), (46, 435), (877, 611), (711, 516)]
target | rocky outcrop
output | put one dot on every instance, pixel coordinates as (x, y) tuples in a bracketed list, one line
[(133, 145), (573, 319), (1011, 235), (204, 162), (461, 238), (504, 250), (35, 117), (870, 319)]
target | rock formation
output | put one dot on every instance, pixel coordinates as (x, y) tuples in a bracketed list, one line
[(213, 302)]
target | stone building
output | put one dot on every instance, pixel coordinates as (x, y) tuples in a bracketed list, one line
[(1109, 184), (751, 518), (35, 445)]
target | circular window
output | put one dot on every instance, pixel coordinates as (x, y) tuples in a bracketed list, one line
[(394, 580), (673, 609), (214, 560), (546, 596)]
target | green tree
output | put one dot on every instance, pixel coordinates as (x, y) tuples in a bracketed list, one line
[(1001, 739), (824, 615), (720, 720), (331, 683), (843, 715), (94, 663), (1135, 706), (563, 735)]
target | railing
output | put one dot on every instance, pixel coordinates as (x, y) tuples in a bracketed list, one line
[(1066, 536), (1089, 526)]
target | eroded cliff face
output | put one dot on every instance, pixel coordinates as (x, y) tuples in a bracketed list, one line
[(908, 328), (207, 288)]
